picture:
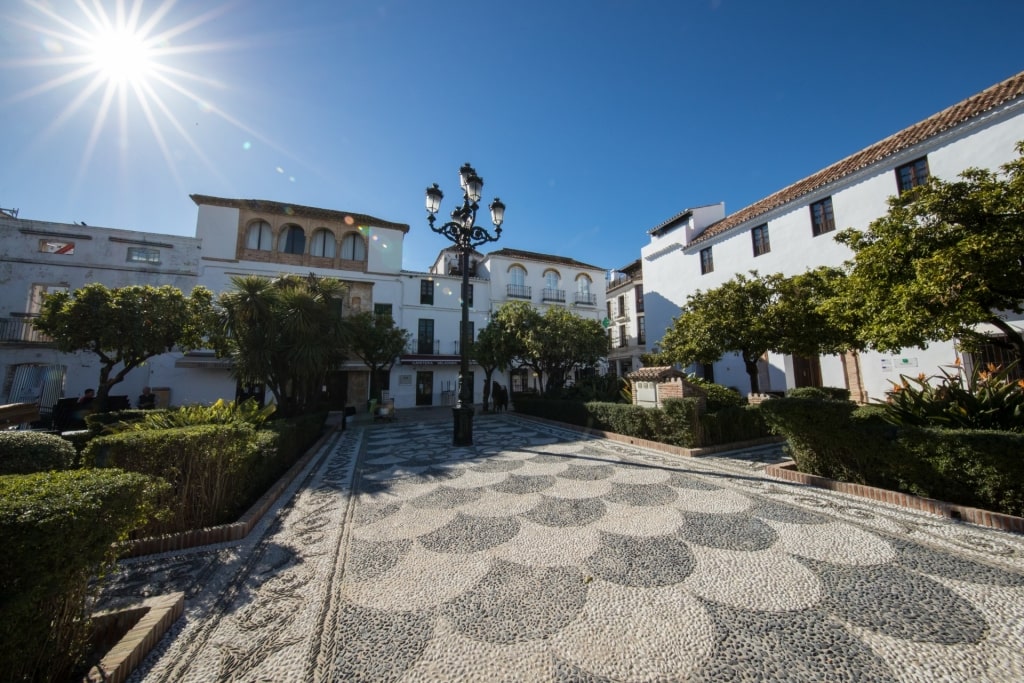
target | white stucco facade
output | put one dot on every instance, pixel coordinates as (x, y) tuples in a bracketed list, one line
[(672, 261)]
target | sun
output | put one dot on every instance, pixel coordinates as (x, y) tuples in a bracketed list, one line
[(122, 56)]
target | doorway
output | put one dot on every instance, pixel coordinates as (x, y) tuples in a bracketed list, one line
[(806, 371), (424, 388)]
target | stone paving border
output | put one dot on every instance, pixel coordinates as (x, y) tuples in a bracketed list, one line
[(995, 520), (158, 614)]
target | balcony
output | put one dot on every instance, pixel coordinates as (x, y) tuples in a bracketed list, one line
[(555, 295), (584, 299), (519, 292), (18, 329)]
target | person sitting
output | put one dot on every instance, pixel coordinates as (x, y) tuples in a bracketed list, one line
[(147, 399), (86, 399)]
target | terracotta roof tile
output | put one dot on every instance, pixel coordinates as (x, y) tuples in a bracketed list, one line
[(1001, 93), (267, 206)]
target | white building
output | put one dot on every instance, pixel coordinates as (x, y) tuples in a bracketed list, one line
[(626, 319), (788, 232), (238, 237)]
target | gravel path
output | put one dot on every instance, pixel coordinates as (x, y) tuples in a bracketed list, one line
[(542, 555)]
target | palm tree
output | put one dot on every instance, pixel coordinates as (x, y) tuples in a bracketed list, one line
[(285, 333)]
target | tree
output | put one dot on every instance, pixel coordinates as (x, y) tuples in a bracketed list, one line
[(750, 316), (552, 344), (285, 333), (492, 351), (378, 342), (126, 326), (947, 257)]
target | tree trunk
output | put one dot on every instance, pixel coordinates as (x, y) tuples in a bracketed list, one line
[(752, 372)]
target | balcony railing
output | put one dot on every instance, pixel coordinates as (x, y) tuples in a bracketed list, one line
[(427, 347), (19, 329), (585, 299), (519, 291), (553, 295)]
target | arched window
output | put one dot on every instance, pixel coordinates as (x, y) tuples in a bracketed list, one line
[(353, 248), (259, 236), (552, 279), (583, 284), (322, 243), (292, 240), (517, 276)]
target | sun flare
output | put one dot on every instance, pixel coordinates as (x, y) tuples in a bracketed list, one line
[(122, 56)]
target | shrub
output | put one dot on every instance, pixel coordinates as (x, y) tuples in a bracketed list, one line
[(731, 424), (673, 424), (222, 412), (98, 423), (988, 399), (208, 466), (824, 393), (719, 397), (24, 452), (834, 439), (59, 529)]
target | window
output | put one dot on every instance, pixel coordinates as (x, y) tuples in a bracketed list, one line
[(583, 285), (517, 276), (707, 263), (912, 174), (639, 291), (57, 247), (427, 292), (822, 219), (425, 336), (623, 337), (759, 235), (36, 294), (353, 247), (322, 243), (259, 236), (143, 255), (552, 279), (292, 240), (641, 331), (382, 309), (620, 306)]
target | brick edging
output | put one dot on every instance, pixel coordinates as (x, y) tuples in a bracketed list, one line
[(996, 520), (158, 615), (224, 533)]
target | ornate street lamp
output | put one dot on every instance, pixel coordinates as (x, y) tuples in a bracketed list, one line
[(461, 230)]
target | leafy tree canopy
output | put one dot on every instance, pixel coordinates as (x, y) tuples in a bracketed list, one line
[(552, 343), (378, 342), (492, 350), (752, 315), (947, 257), (125, 326)]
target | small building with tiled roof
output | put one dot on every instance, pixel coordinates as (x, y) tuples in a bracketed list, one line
[(791, 230)]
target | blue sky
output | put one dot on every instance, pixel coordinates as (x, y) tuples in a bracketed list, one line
[(593, 120)]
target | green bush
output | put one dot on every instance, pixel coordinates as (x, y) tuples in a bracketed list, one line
[(732, 424), (23, 452), (824, 393), (719, 397), (59, 531), (673, 424), (989, 399), (856, 444), (834, 439), (222, 412), (99, 423), (209, 468)]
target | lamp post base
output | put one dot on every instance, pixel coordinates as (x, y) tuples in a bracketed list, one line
[(463, 433)]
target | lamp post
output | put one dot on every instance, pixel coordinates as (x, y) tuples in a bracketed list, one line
[(461, 230)]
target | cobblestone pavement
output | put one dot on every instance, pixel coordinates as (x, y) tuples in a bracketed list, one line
[(542, 555)]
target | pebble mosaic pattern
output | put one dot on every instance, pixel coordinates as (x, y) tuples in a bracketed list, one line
[(541, 555)]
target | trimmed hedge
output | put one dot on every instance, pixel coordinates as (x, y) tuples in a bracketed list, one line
[(823, 393), (59, 531), (730, 425), (209, 467), (23, 452), (841, 441)]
